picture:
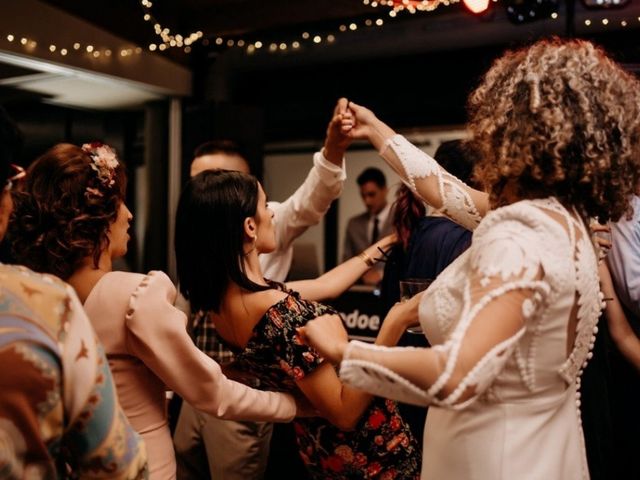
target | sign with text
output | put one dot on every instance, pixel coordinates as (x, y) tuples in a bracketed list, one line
[(362, 312)]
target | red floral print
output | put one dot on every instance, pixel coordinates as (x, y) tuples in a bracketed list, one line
[(376, 419)]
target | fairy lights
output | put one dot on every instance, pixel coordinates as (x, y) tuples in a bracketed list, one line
[(169, 40), (411, 6), (311, 38), (54, 49)]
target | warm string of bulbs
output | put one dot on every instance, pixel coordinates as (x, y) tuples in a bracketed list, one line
[(30, 45), (411, 6), (169, 40)]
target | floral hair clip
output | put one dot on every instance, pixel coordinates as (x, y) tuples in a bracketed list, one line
[(104, 162)]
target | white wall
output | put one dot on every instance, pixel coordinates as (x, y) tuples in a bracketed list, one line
[(284, 172)]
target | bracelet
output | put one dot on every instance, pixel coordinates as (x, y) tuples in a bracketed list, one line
[(364, 256)]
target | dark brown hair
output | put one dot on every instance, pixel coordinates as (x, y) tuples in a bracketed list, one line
[(209, 236), (64, 211)]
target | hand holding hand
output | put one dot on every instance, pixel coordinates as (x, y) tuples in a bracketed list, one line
[(327, 335), (362, 123), (337, 141)]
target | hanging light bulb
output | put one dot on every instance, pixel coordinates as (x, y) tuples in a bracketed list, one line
[(476, 6)]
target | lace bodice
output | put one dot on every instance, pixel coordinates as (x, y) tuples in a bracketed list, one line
[(499, 317)]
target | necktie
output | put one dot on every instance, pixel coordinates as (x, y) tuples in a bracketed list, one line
[(376, 230)]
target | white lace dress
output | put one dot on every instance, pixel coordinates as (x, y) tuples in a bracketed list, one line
[(512, 322)]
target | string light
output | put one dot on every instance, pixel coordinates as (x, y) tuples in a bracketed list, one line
[(53, 48), (411, 6), (168, 39), (251, 46)]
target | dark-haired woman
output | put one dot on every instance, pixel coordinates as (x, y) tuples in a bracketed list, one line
[(71, 221), (219, 273), (512, 320)]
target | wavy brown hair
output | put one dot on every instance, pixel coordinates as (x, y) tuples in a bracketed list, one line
[(558, 118), (63, 213)]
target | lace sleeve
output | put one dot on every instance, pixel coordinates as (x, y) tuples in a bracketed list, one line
[(505, 292), (434, 184)]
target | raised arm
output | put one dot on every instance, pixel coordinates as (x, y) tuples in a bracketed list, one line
[(310, 202), (157, 335), (419, 171), (334, 282)]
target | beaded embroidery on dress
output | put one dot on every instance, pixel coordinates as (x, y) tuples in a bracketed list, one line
[(456, 202), (518, 248)]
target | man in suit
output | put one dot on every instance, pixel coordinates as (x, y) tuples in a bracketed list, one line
[(368, 227)]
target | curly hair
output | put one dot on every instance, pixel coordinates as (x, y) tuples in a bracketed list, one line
[(63, 213), (558, 118)]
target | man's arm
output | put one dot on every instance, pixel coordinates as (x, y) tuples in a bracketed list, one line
[(311, 200)]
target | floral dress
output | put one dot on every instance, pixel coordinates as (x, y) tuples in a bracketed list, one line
[(380, 447)]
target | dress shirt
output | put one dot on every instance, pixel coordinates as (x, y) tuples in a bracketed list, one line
[(624, 259)]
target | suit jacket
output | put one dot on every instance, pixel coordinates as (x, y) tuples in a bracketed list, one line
[(358, 236)]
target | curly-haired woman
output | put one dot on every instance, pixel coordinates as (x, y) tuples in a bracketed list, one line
[(512, 320), (71, 221), (221, 275)]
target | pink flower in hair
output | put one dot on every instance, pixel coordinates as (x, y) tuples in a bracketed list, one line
[(104, 161)]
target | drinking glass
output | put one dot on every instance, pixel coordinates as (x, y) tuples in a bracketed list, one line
[(410, 287)]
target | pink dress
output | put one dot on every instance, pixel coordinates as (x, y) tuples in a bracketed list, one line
[(149, 351)]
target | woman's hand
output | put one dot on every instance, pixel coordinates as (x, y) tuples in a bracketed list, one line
[(385, 243), (405, 314), (337, 140), (363, 124), (327, 335)]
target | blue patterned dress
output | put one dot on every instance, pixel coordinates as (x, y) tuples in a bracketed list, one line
[(59, 414)]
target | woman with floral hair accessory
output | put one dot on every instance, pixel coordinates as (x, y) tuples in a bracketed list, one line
[(511, 321), (71, 221)]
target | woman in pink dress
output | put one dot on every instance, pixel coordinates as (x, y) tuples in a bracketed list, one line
[(71, 221)]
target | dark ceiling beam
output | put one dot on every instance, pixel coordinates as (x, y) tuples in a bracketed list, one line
[(260, 15)]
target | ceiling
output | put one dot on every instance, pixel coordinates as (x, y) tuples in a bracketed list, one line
[(408, 47), (285, 19), (213, 17)]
